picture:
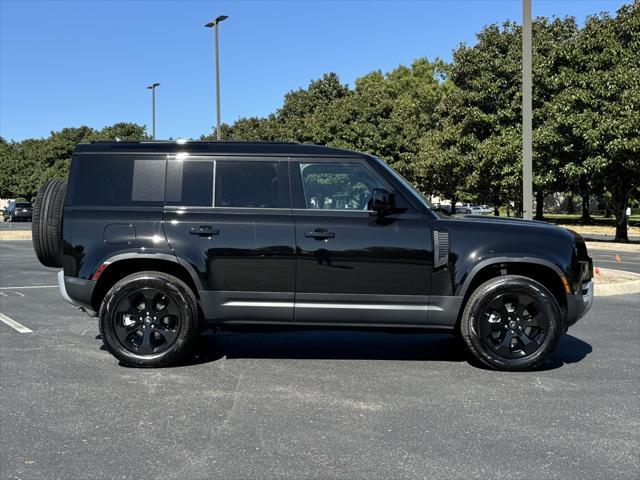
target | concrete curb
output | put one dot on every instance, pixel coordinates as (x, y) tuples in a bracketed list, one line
[(622, 288), (15, 235)]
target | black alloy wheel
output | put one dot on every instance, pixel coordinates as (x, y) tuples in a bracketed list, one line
[(149, 319), (511, 322), (513, 325)]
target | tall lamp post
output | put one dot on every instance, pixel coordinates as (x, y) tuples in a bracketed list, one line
[(527, 113), (152, 87), (214, 25)]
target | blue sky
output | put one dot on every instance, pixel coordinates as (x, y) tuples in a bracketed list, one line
[(72, 63)]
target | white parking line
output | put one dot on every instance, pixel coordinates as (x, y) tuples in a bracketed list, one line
[(29, 286), (4, 294), (18, 293), (13, 324)]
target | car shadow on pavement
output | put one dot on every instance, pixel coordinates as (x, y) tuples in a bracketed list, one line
[(327, 344), (355, 345), (570, 350)]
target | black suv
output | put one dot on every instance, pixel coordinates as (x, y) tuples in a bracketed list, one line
[(18, 211), (159, 239)]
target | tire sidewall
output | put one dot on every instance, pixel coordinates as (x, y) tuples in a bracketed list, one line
[(177, 292), (47, 223), (485, 294)]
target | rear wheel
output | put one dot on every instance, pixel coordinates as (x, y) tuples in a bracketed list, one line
[(511, 323), (149, 319)]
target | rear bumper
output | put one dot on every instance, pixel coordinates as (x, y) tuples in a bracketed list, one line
[(77, 292), (579, 304), (63, 289)]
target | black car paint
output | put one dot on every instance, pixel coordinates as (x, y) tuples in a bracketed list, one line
[(260, 262)]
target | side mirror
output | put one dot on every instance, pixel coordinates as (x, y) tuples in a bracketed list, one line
[(383, 202)]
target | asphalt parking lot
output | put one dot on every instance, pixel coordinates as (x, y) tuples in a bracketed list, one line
[(317, 404)]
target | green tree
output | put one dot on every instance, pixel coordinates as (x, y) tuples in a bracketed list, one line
[(122, 131), (550, 56), (598, 110), (26, 165), (386, 115), (478, 116)]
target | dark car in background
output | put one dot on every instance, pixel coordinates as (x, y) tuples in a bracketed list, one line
[(19, 211)]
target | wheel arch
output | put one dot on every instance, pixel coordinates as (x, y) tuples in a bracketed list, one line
[(119, 266), (543, 271)]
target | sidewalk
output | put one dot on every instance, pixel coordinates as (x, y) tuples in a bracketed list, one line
[(615, 282), (601, 234)]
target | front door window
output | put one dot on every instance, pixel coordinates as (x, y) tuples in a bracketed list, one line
[(338, 186)]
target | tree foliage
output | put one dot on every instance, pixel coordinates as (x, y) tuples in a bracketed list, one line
[(26, 165)]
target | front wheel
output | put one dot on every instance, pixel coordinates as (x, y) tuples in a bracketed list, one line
[(149, 319), (511, 323)]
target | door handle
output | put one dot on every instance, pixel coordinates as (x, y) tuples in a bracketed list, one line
[(320, 234), (204, 231)]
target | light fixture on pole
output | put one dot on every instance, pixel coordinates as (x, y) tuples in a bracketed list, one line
[(152, 87), (214, 25)]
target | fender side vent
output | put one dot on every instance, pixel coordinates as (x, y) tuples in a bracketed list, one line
[(440, 247)]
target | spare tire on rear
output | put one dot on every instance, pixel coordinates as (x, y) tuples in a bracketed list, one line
[(46, 227)]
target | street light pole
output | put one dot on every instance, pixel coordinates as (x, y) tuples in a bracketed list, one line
[(152, 87), (527, 113), (215, 27)]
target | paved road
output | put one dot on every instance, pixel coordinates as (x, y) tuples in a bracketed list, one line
[(629, 261), (314, 404)]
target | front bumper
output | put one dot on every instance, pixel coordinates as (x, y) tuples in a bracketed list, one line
[(579, 304), (587, 295)]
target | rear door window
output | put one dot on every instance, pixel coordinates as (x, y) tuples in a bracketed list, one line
[(190, 182), (252, 184)]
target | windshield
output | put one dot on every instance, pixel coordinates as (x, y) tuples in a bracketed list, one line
[(22, 205), (419, 196)]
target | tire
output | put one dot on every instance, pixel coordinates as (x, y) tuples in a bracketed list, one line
[(525, 338), (151, 340), (46, 226)]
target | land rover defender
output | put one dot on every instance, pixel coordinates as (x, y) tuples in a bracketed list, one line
[(158, 239)]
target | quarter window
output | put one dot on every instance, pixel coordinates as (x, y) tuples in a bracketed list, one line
[(338, 186), (118, 180)]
